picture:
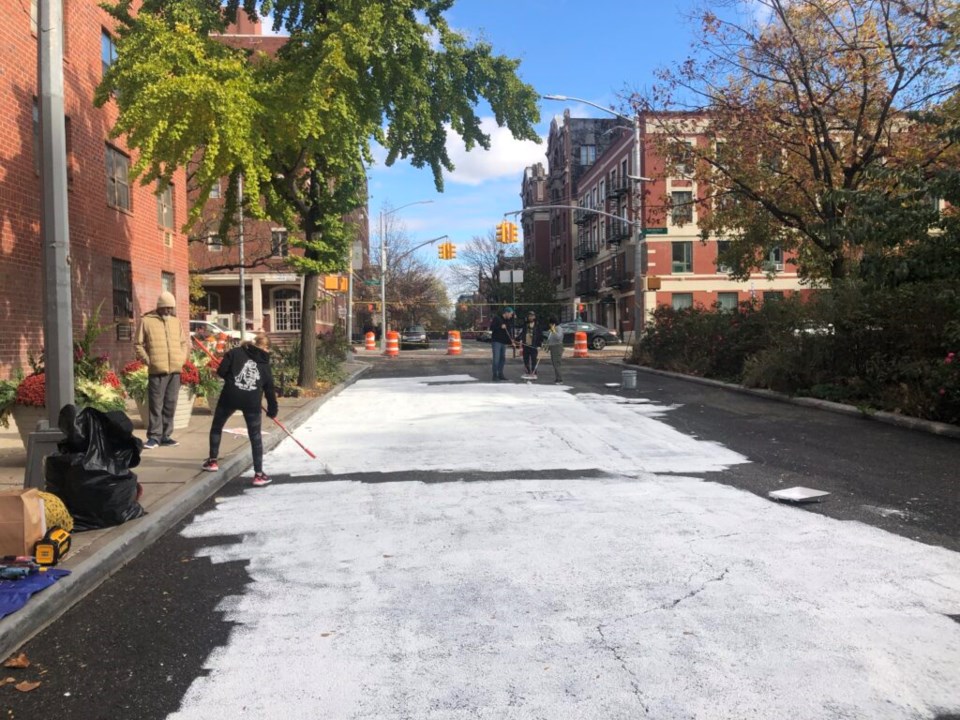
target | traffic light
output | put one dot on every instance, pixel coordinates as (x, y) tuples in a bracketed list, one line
[(442, 251), (451, 251), (512, 231), (502, 232)]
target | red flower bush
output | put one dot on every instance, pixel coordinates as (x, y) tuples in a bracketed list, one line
[(33, 391), (132, 366), (111, 379), (189, 375)]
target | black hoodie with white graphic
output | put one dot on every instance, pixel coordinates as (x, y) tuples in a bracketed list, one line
[(246, 374)]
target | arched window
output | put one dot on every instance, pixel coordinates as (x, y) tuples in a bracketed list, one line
[(286, 310)]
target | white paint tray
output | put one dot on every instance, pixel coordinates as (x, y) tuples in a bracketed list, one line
[(798, 494)]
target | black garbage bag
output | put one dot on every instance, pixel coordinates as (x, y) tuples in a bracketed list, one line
[(91, 470)]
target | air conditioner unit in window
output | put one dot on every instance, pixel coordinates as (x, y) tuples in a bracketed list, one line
[(168, 239)]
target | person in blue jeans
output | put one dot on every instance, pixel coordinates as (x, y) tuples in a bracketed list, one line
[(501, 335)]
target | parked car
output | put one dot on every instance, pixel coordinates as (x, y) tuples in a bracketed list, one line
[(484, 336), (598, 337), (211, 328), (414, 336)]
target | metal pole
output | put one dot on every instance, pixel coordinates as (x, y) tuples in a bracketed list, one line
[(55, 232), (243, 281), (638, 309), (350, 296), (383, 285)]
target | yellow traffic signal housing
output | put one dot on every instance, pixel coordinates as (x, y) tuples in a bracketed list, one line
[(451, 251), (502, 232), (513, 232), (442, 251)]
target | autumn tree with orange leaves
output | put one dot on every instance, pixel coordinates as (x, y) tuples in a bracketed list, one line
[(826, 121)]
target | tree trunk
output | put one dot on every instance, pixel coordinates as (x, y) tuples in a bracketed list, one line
[(838, 266), (308, 331)]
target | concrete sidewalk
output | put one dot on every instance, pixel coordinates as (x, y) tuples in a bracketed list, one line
[(173, 485)]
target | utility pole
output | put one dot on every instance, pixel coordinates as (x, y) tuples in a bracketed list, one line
[(243, 280), (55, 234)]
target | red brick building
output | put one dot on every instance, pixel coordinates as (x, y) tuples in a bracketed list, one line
[(126, 244), (677, 267)]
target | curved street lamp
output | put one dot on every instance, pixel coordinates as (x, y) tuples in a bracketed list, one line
[(636, 179), (383, 268)]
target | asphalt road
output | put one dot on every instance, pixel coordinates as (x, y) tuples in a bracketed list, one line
[(132, 648)]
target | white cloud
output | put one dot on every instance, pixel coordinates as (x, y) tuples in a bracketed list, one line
[(507, 156)]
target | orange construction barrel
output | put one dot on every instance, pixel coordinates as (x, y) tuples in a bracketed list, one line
[(580, 345), (453, 342), (393, 343), (369, 341)]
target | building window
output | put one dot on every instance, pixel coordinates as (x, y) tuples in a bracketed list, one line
[(38, 150), (33, 16), (165, 207), (118, 179), (723, 247), (168, 282), (279, 246), (108, 51), (772, 295), (122, 298), (728, 301), (682, 301), (774, 260), (682, 257), (286, 310), (215, 190), (214, 243), (588, 154), (211, 301), (685, 166), (681, 207)]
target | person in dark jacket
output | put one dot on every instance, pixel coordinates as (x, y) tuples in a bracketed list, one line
[(247, 378), (501, 335), (531, 336)]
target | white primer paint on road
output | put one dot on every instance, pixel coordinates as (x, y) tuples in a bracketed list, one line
[(660, 597), (453, 423)]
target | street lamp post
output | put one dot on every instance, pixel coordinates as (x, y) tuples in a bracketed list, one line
[(383, 269), (636, 179)]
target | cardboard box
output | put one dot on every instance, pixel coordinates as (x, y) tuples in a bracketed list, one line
[(22, 521)]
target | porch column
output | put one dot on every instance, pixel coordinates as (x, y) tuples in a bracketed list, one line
[(257, 292)]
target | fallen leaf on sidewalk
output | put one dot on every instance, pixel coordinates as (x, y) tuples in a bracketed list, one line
[(7, 681), (17, 661), (26, 686)]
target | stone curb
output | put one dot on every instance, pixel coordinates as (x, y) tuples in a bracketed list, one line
[(928, 426), (136, 536)]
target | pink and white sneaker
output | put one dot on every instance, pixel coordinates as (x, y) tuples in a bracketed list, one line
[(261, 479)]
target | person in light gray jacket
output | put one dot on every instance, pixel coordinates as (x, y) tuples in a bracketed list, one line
[(554, 343)]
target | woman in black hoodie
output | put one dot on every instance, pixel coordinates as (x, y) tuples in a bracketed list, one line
[(247, 378)]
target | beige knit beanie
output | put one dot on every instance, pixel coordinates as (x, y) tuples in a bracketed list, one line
[(166, 300)]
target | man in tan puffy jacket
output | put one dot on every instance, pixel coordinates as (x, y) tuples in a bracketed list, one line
[(162, 344)]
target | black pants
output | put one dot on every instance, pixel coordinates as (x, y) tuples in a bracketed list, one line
[(253, 420), (530, 358)]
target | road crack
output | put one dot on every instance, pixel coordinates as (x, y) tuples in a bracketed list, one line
[(693, 593), (634, 680)]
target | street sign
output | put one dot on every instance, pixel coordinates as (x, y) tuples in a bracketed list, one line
[(655, 231), (341, 312), (371, 282), (356, 256)]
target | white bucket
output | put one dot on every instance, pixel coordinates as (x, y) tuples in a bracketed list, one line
[(629, 380)]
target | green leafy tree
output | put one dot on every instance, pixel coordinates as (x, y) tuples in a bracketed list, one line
[(298, 124), (805, 114)]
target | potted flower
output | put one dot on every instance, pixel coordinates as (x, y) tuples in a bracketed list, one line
[(30, 404), (211, 385)]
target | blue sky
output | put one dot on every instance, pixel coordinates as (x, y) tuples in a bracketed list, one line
[(595, 50)]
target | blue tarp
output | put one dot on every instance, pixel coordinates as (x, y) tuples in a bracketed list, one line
[(15, 593)]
